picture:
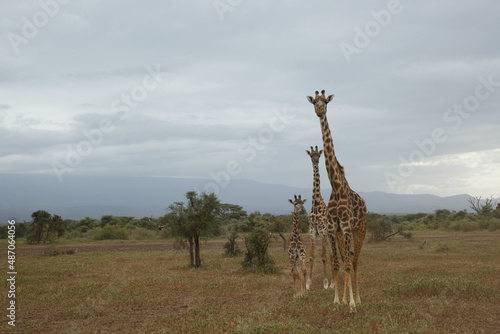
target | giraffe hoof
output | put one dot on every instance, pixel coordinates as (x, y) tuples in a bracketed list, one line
[(352, 307), (325, 284)]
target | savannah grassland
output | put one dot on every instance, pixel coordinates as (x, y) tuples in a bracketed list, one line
[(450, 284)]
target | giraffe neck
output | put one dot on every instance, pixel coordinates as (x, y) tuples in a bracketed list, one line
[(316, 198), (295, 221), (335, 175)]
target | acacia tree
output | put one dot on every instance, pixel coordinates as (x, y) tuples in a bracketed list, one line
[(44, 227), (189, 222), (482, 209)]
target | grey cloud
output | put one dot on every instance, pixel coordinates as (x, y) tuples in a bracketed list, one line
[(226, 77)]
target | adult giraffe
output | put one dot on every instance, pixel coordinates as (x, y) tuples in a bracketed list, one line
[(346, 210)]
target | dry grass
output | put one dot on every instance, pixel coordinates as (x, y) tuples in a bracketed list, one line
[(141, 287)]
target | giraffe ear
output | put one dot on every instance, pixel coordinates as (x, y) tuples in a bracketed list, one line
[(310, 99), (308, 153), (320, 152), (290, 201), (329, 98), (304, 201)]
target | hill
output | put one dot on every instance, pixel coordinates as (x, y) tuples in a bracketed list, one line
[(94, 196)]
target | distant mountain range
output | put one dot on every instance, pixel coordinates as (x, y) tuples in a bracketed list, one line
[(95, 196)]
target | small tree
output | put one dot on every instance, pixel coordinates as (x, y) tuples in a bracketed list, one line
[(256, 256), (44, 227), (231, 246), (192, 221), (485, 211), (480, 208), (380, 227), (231, 211), (106, 220), (278, 226), (86, 224)]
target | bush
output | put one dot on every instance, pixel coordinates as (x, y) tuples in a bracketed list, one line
[(494, 225), (143, 234), (256, 256), (231, 246), (111, 232), (406, 235), (57, 252), (45, 227), (379, 228), (464, 225), (443, 247)]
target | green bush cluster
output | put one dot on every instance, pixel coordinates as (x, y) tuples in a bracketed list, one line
[(47, 228), (458, 221), (111, 232), (257, 257)]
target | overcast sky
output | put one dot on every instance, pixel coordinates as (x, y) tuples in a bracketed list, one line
[(212, 89)]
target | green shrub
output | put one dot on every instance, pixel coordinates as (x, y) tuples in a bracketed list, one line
[(494, 225), (143, 234), (445, 246), (256, 256), (379, 228), (464, 225), (231, 246), (406, 235), (56, 252), (111, 232)]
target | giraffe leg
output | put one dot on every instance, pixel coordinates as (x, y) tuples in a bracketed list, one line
[(340, 242), (359, 236), (323, 259), (312, 256), (303, 277), (335, 267), (296, 283), (295, 276), (347, 268)]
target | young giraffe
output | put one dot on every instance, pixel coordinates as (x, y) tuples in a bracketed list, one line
[(317, 222), (297, 251), (346, 211)]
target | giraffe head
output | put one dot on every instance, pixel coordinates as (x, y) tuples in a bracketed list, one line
[(314, 154), (298, 203), (320, 102)]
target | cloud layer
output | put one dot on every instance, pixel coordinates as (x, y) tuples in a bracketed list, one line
[(185, 88)]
